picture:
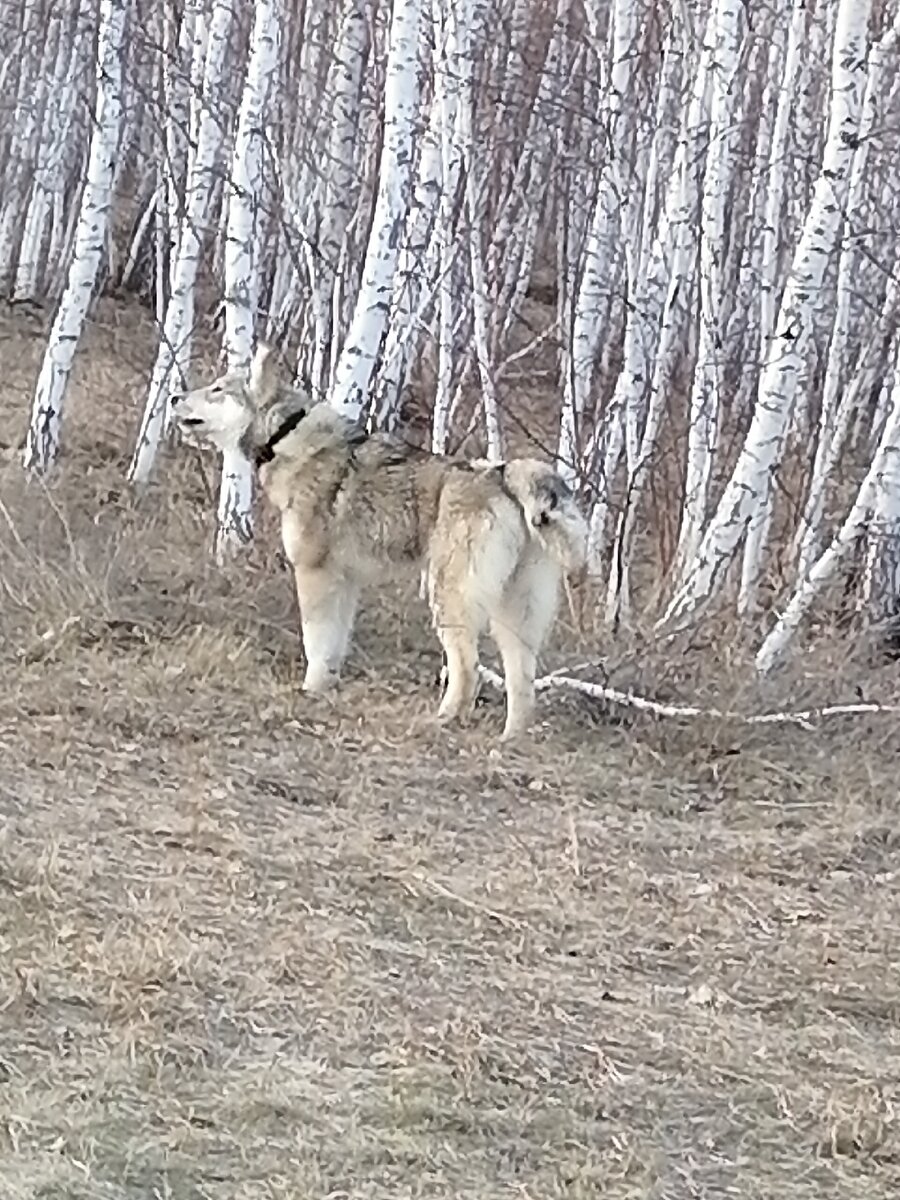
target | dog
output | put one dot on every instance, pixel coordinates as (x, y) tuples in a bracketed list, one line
[(493, 539)]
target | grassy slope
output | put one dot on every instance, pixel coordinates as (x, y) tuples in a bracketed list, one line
[(253, 945)]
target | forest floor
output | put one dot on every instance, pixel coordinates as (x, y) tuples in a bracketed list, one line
[(259, 946)]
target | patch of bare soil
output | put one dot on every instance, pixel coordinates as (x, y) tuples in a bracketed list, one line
[(258, 945)]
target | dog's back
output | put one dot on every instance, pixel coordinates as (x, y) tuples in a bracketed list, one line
[(366, 502), (383, 502)]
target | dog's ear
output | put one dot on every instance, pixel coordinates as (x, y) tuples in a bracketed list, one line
[(263, 375)]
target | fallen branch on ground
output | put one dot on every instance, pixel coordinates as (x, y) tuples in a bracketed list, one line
[(597, 691)]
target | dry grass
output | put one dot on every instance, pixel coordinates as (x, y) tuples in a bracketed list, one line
[(253, 945)]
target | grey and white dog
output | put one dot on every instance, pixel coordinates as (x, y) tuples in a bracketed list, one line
[(494, 540)]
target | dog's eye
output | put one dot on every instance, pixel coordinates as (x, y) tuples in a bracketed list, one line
[(552, 501)]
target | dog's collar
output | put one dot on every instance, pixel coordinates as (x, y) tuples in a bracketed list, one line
[(266, 452)]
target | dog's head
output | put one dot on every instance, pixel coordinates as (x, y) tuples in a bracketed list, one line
[(238, 407), (218, 415), (544, 496), (549, 507), (549, 495)]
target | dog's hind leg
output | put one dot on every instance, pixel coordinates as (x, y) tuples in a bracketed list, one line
[(460, 643), (327, 608), (519, 626), (519, 664)]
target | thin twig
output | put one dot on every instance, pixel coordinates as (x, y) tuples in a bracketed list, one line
[(447, 894), (804, 718)]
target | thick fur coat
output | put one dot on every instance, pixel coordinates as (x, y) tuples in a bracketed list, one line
[(356, 508)]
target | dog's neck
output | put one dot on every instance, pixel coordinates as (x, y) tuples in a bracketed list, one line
[(266, 452)]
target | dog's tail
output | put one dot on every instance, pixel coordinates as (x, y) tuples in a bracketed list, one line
[(552, 516)]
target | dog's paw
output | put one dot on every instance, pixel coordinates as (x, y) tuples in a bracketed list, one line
[(319, 682), (514, 730)]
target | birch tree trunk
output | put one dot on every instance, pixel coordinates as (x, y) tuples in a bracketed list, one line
[(452, 68), (658, 275), (677, 251), (184, 57), (416, 275), (174, 347), (48, 120), (340, 188), (748, 491), (832, 426), (42, 445), (777, 175), (881, 578), (21, 96), (600, 254), (703, 415), (880, 486), (242, 245), (359, 356)]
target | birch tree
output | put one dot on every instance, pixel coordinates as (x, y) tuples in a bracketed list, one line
[(42, 445), (359, 355), (748, 492), (665, 236), (703, 411), (339, 188), (836, 396), (452, 68), (169, 370), (881, 577), (247, 187), (879, 490)]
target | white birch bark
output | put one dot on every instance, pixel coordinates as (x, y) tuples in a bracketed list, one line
[(744, 352), (148, 206), (20, 125), (452, 72), (508, 258), (480, 301), (777, 173), (340, 186), (881, 576), (242, 254), (832, 425), (416, 276), (748, 490), (770, 276), (703, 191), (184, 58), (703, 414), (881, 480), (359, 356), (305, 123), (51, 124), (42, 445), (658, 268), (174, 348), (443, 396), (591, 302)]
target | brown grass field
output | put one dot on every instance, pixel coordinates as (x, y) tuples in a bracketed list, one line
[(262, 947)]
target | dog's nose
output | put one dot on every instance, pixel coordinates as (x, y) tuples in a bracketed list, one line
[(175, 399)]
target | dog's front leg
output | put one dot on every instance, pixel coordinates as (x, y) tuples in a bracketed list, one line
[(327, 608)]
